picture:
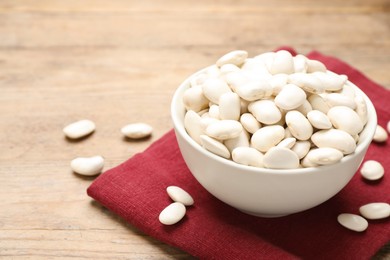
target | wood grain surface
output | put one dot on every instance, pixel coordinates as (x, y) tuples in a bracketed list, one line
[(117, 62)]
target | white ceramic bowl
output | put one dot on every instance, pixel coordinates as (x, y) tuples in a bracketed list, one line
[(267, 192)]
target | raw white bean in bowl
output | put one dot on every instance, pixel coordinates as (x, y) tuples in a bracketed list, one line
[(221, 166)]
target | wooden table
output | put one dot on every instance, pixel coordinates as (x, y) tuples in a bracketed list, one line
[(117, 62)]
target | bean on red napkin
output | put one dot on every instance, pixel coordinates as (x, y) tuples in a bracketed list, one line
[(136, 191)]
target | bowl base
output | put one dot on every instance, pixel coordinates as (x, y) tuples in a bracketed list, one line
[(263, 215)]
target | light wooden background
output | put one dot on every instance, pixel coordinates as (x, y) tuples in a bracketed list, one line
[(117, 62)]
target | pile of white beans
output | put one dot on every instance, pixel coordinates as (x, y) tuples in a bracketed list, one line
[(274, 111)]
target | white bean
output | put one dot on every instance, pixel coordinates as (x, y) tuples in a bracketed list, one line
[(330, 80), (137, 130), (257, 71), (287, 142), (280, 158), (177, 194), (79, 129), (249, 123), (298, 125), (267, 137), (380, 134), (229, 106), (346, 119), (306, 163), (266, 57), (214, 146), (277, 82), (240, 141), (290, 97), (336, 99), (300, 63), (372, 170), (88, 166), (236, 57), (253, 65), (213, 88), (319, 120), (282, 63), (236, 79), (172, 213), (213, 72), (193, 99), (361, 108), (248, 156), (348, 91), (305, 108), (228, 68), (308, 82), (352, 222), (318, 103), (206, 121), (214, 111), (224, 129), (265, 111), (324, 156), (375, 210), (192, 125), (301, 148), (254, 90), (334, 138), (315, 65)]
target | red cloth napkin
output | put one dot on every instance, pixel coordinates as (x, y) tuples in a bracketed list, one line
[(136, 191)]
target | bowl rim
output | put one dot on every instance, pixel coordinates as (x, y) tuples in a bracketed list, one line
[(179, 129)]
